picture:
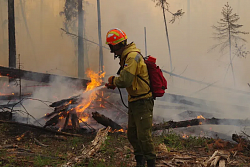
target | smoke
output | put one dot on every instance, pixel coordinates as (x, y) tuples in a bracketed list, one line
[(58, 89), (53, 51)]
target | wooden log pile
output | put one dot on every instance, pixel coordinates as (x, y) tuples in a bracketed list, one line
[(64, 108)]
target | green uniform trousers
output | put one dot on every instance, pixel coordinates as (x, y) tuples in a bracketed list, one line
[(140, 119)]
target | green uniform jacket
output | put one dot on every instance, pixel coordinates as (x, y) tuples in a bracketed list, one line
[(133, 64)]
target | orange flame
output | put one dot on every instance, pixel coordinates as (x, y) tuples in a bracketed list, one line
[(200, 117), (120, 130), (185, 136), (96, 80)]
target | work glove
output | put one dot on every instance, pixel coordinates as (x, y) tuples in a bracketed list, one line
[(111, 80), (110, 86)]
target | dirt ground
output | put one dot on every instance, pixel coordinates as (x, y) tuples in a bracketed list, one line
[(39, 148)]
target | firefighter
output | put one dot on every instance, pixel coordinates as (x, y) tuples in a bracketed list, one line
[(133, 76)]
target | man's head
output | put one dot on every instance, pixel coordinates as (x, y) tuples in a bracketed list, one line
[(117, 40)]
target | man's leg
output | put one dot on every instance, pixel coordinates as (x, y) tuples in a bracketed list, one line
[(132, 137), (143, 116)]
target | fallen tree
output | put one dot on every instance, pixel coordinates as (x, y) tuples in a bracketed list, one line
[(36, 76), (195, 122), (105, 121), (40, 128)]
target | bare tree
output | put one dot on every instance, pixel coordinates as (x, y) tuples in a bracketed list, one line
[(165, 7), (164, 4), (227, 32)]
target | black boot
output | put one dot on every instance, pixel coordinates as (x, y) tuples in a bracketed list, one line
[(151, 163), (140, 161)]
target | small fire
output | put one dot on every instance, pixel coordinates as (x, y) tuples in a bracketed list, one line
[(200, 117), (184, 136), (61, 117), (200, 123), (120, 130), (96, 80)]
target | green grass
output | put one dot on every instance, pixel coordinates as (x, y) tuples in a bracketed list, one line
[(175, 141)]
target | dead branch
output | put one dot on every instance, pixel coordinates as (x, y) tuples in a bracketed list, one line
[(245, 134), (241, 140), (92, 149), (8, 146), (74, 35), (105, 121), (33, 154), (39, 143), (41, 128), (54, 137)]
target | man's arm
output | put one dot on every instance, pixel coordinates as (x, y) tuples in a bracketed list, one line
[(127, 74)]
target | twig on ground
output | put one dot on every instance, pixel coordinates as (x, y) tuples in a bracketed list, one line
[(39, 143)]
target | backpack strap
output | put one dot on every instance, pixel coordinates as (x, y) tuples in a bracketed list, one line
[(143, 81), (122, 66)]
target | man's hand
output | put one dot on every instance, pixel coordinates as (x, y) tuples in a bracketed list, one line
[(110, 86), (111, 80)]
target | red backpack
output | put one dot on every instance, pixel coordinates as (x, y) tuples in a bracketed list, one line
[(158, 83)]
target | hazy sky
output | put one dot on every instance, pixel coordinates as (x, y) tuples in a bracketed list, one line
[(49, 49)]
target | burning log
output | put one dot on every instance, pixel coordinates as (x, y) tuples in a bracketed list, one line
[(194, 122), (66, 122), (75, 120), (70, 100), (101, 119), (53, 121)]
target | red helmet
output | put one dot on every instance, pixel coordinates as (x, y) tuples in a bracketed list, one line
[(115, 36)]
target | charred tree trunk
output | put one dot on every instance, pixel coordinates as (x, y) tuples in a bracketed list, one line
[(74, 120), (80, 41), (12, 37), (100, 36)]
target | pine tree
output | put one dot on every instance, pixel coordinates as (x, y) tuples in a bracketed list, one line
[(227, 32)]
